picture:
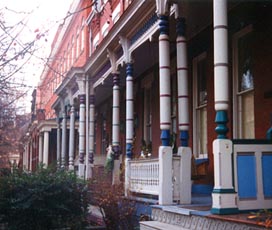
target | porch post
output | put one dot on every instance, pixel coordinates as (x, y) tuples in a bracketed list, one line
[(40, 148), (224, 196), (116, 127), (31, 154), (63, 136), (82, 100), (165, 151), (71, 132), (115, 118), (91, 131), (129, 109), (45, 147), (58, 141), (183, 111)]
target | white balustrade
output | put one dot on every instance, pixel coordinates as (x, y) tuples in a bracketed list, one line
[(144, 176)]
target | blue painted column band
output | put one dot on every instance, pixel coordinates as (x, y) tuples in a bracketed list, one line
[(165, 137), (164, 24), (181, 27), (184, 137)]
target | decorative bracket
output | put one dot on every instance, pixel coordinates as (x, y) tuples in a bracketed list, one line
[(113, 60), (125, 45), (80, 79)]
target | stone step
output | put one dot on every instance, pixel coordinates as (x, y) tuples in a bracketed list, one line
[(151, 225), (175, 218)]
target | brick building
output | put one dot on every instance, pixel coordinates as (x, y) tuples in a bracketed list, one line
[(184, 85)]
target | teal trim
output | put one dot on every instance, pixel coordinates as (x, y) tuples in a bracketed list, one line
[(224, 211), (223, 190), (221, 119), (251, 141)]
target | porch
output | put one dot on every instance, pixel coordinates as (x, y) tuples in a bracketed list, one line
[(251, 159)]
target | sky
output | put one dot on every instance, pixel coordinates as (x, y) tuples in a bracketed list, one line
[(42, 15)]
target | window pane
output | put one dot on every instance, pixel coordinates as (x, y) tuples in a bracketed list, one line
[(248, 115), (201, 82), (202, 131), (245, 63)]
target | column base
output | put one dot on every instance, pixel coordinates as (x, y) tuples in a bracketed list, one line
[(89, 172), (224, 202), (165, 175), (185, 175), (81, 170), (71, 167), (116, 172)]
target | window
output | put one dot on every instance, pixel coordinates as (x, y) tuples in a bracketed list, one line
[(147, 113), (82, 34), (105, 29), (96, 41), (77, 43), (73, 51), (243, 84), (116, 13), (200, 137)]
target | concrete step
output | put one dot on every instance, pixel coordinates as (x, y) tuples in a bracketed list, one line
[(151, 225)]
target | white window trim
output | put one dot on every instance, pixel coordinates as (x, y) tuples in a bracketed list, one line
[(96, 41), (105, 30), (236, 116), (196, 107), (116, 13)]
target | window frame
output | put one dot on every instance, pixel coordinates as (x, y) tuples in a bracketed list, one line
[(237, 93), (197, 108)]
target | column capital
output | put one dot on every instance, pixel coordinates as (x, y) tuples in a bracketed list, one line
[(162, 7), (70, 96), (81, 81)]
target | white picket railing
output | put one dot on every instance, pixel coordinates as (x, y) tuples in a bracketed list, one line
[(144, 176)]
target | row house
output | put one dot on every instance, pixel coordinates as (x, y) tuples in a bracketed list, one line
[(178, 90)]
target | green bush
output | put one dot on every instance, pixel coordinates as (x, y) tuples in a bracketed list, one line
[(45, 199)]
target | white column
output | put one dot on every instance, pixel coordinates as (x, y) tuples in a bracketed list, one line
[(58, 142), (91, 131), (81, 166), (129, 111), (224, 196), (129, 108), (63, 138), (31, 155), (165, 90), (183, 112), (129, 123), (116, 128), (40, 148), (182, 79), (165, 151), (45, 148), (72, 138)]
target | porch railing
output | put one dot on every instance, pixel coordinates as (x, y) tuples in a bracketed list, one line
[(144, 176)]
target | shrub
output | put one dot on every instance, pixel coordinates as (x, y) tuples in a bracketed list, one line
[(45, 199), (117, 211)]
